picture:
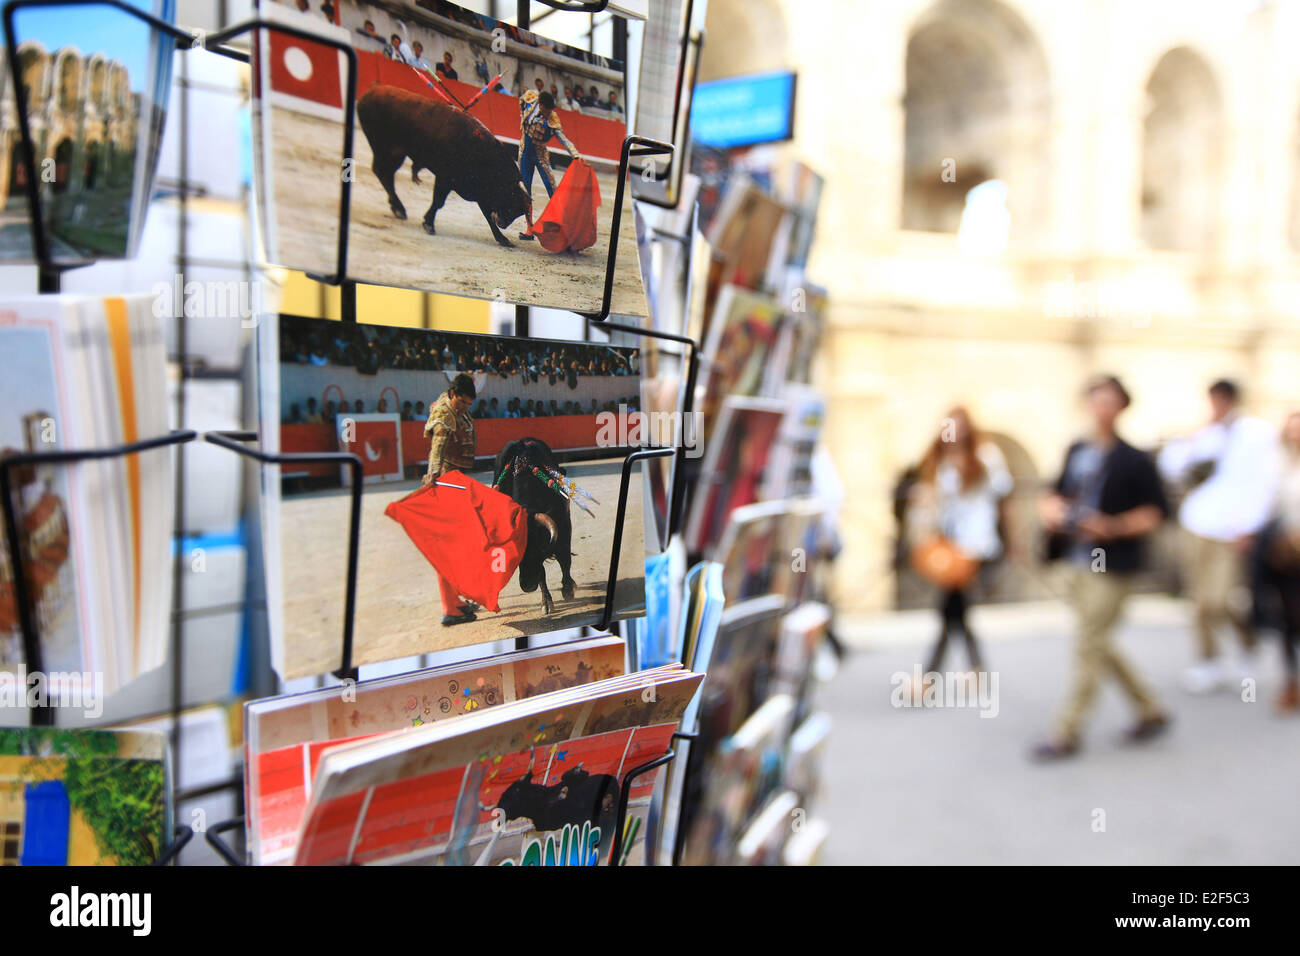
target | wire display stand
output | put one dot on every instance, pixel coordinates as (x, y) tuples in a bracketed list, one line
[(50, 270)]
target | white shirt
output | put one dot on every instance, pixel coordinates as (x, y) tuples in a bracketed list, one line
[(1238, 496), (969, 517)]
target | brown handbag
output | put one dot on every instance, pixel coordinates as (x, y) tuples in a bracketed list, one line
[(942, 563)]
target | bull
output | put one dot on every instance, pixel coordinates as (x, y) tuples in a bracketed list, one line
[(548, 512), (463, 155), (576, 798)]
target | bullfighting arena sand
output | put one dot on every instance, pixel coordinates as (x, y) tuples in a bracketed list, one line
[(398, 611), (462, 259)]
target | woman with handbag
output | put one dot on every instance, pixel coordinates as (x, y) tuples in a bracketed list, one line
[(955, 505)]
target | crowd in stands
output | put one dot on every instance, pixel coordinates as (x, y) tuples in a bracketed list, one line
[(312, 412), (372, 348)]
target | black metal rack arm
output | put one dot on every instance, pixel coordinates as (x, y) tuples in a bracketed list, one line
[(33, 662), (625, 794), (215, 42), (233, 441), (632, 146), (213, 836), (688, 406), (181, 835), (619, 520)]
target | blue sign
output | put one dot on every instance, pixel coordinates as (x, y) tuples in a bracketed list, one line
[(744, 110)]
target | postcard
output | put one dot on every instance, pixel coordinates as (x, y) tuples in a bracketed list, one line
[(285, 736), (735, 465), (737, 354), (535, 782), (96, 84), (484, 165), (492, 469), (83, 797)]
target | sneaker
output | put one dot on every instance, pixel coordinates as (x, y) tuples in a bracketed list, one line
[(1203, 678), (1147, 728), (1052, 750)]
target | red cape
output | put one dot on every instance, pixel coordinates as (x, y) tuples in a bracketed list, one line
[(474, 538), (568, 224)]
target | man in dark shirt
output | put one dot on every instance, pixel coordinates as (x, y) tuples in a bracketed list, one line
[(1107, 500), (445, 68)]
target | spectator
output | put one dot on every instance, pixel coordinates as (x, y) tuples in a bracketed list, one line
[(445, 68), (956, 501), (1230, 470), (1106, 501), (1277, 563), (369, 33)]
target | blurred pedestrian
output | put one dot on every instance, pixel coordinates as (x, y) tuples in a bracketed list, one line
[(1229, 468), (1277, 562), (1107, 500), (956, 501)]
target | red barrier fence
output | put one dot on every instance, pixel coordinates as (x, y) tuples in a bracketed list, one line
[(499, 112), (320, 82), (561, 432)]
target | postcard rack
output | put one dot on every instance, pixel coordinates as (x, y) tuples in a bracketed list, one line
[(50, 270)]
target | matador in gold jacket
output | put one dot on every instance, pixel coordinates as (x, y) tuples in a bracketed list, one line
[(450, 431)]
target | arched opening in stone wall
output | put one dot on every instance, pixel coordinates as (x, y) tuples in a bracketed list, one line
[(1182, 154), (17, 171), (32, 64), (90, 166), (977, 105), (62, 166), (69, 84)]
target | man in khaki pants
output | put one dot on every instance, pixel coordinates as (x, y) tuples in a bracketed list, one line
[(1230, 470), (1106, 501)]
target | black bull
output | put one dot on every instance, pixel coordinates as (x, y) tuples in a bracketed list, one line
[(463, 155), (550, 527), (577, 797)]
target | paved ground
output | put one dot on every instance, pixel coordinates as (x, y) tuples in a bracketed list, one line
[(947, 786)]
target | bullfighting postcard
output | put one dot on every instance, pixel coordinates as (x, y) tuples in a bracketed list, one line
[(94, 82), (485, 157), (532, 783), (492, 469)]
